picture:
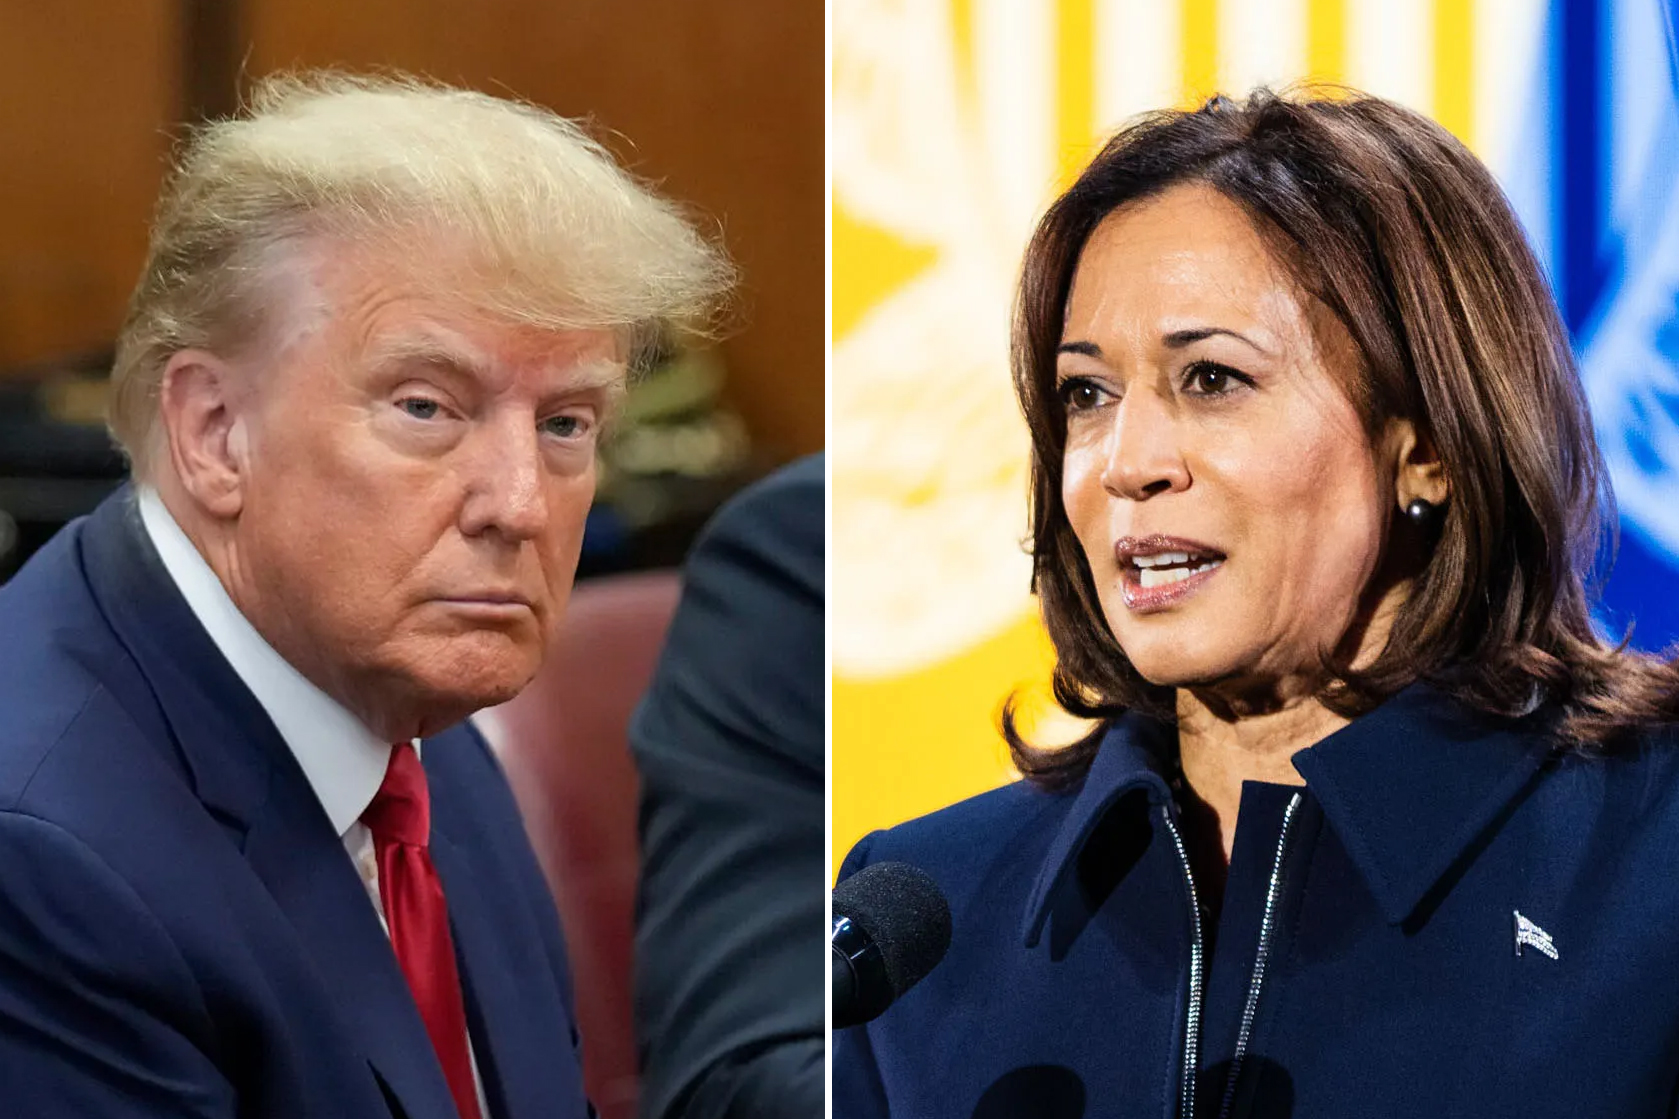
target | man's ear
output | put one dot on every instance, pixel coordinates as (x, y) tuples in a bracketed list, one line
[(199, 402), (1419, 471)]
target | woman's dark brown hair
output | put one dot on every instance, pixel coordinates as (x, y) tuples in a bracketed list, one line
[(1397, 229)]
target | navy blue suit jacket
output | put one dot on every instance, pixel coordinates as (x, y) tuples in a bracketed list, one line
[(1393, 981), (181, 930)]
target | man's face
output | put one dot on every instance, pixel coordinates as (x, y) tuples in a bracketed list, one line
[(416, 482)]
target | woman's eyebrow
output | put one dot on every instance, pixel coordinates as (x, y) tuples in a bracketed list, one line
[(1178, 339), (1174, 340)]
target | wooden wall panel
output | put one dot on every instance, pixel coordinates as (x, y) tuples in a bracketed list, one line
[(87, 95), (721, 102)]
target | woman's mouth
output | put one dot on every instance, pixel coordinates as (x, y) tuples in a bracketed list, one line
[(1168, 567), (1158, 572)]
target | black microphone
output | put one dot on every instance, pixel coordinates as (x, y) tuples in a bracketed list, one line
[(891, 927)]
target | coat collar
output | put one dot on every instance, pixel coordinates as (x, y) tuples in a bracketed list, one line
[(201, 698), (1410, 786), (1137, 753), (1407, 788)]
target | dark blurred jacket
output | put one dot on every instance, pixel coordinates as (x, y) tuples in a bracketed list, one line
[(1457, 919), (731, 944)]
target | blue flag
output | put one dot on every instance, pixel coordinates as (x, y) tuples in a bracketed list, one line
[(1598, 188)]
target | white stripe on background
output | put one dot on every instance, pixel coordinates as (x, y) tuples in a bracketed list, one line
[(1390, 50), (1506, 65), (1013, 56), (1139, 61), (1260, 44)]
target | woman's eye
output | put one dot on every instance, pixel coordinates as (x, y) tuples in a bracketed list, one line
[(1079, 395), (420, 408), (1206, 378)]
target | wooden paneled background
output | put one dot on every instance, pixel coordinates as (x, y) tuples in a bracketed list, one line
[(721, 102)]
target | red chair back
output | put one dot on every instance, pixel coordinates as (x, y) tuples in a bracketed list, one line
[(565, 747)]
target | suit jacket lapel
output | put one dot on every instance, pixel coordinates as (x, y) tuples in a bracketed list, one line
[(293, 848), (242, 771), (517, 1037)]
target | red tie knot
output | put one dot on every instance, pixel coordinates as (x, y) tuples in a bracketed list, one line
[(401, 809)]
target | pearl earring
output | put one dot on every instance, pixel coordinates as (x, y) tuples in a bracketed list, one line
[(1423, 514)]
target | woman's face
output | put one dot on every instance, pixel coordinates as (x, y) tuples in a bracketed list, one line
[(1216, 473)]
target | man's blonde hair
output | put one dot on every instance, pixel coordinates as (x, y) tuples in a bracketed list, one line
[(566, 239)]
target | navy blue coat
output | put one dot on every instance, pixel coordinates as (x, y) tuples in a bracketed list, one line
[(181, 931), (1464, 921)]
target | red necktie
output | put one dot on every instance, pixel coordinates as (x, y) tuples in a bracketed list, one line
[(400, 820)]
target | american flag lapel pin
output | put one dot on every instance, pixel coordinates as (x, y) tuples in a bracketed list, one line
[(1530, 935)]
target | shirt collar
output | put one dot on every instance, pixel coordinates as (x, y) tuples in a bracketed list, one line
[(1408, 788), (342, 759)]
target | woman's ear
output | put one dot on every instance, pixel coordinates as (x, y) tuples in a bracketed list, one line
[(1418, 472), (199, 403)]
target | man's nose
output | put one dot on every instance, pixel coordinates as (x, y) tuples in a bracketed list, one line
[(505, 493), (1144, 449)]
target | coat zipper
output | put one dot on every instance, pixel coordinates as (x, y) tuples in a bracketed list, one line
[(1197, 953), (1192, 1019), (1267, 924)]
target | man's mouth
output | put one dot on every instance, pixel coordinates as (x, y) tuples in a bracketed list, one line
[(491, 604)]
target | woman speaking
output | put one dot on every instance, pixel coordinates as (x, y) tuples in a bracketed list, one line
[(1373, 821)]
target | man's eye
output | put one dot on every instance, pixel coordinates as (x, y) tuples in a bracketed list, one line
[(565, 427), (419, 407)]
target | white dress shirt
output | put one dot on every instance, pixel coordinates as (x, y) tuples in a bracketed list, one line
[(344, 761)]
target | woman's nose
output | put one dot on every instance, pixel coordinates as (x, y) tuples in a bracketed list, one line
[(1144, 452)]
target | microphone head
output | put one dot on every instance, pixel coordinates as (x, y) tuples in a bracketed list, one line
[(903, 911)]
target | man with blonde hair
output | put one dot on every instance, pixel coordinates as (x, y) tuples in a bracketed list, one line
[(253, 861)]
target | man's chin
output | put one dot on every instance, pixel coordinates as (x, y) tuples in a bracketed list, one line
[(439, 692), (474, 692)]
